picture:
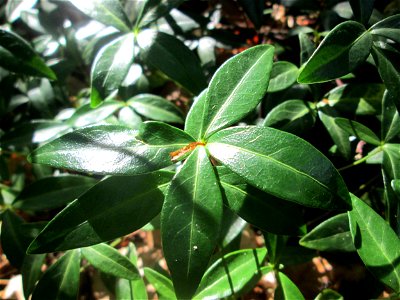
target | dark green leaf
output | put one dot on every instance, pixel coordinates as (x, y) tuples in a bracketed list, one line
[(390, 118), (14, 8), (16, 55), (110, 67), (307, 47), (156, 108), (155, 9), (391, 160), (105, 149), (283, 75), (31, 272), (331, 235), (362, 10), (342, 50), (158, 133), (376, 243), (108, 260), (162, 284), (237, 88), (52, 192), (276, 244), (328, 294), (105, 11), (194, 122), (173, 58), (254, 10), (233, 274), (281, 164), (359, 130), (388, 27), (101, 214), (191, 218), (61, 280)]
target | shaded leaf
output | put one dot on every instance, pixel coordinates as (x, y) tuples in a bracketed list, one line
[(254, 10), (358, 130), (31, 272), (162, 284), (158, 133), (307, 47), (283, 75), (391, 160), (362, 10), (155, 9), (390, 118), (388, 27)]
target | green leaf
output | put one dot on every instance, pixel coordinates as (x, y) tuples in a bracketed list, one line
[(276, 245), (155, 9), (14, 8), (110, 261), (156, 108), (52, 192), (233, 274), (377, 244), (105, 11), (362, 10), (61, 280), (162, 284), (342, 50), (358, 130), (101, 214), (328, 294), (173, 58), (330, 235), (16, 55), (390, 118), (307, 47), (293, 116), (267, 158), (259, 208), (31, 271), (158, 133), (283, 75), (194, 122), (191, 218), (105, 149), (286, 289), (128, 117), (237, 88), (388, 28), (110, 67), (391, 160)]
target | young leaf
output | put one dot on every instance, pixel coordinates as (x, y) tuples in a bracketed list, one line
[(156, 108), (101, 214), (286, 289), (191, 217), (173, 58), (342, 50), (283, 75), (388, 28), (362, 10), (52, 192), (358, 130), (376, 243), (108, 260), (232, 274), (162, 284), (16, 55), (110, 67), (105, 11), (281, 164), (331, 235), (237, 88), (105, 149), (390, 118), (61, 280), (195, 117), (31, 271)]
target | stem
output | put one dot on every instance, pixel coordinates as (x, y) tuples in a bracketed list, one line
[(357, 162)]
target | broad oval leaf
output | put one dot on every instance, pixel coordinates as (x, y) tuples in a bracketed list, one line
[(283, 75), (359, 130), (191, 218), (162, 284), (388, 27), (105, 149), (105, 11), (287, 289), (237, 87), (233, 274), (281, 164), (377, 244), (101, 214), (331, 235), (194, 122), (342, 50), (108, 260), (16, 55), (110, 67), (61, 280)]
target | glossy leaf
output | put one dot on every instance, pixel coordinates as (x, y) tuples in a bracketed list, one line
[(105, 149), (283, 75), (362, 10), (286, 289), (173, 58), (388, 28), (359, 130), (110, 67), (191, 218), (376, 243), (342, 50), (258, 208), (194, 122), (162, 284), (237, 88), (52, 192), (330, 235), (328, 294), (14, 8), (108, 260), (107, 12), (390, 118), (16, 55), (101, 214), (128, 117), (267, 158), (160, 134), (31, 271), (61, 280), (156, 108), (155, 9), (233, 274)]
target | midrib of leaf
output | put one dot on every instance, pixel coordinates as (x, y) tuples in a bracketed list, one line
[(336, 235), (231, 95), (65, 274), (114, 17), (392, 124)]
